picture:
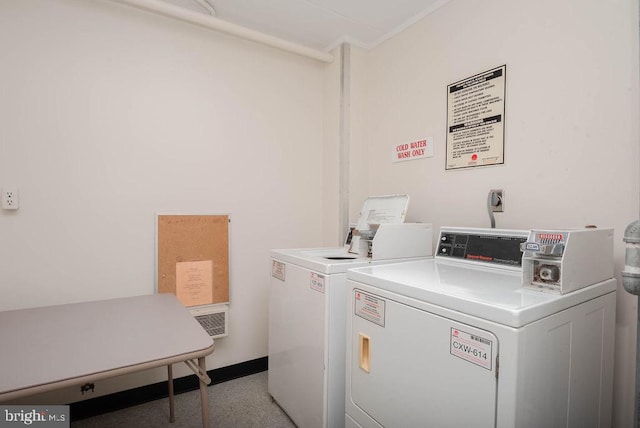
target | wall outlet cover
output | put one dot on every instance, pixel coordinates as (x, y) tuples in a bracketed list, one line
[(10, 198)]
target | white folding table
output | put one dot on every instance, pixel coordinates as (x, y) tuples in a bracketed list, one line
[(47, 348)]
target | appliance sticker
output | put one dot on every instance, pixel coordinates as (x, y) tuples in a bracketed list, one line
[(471, 347), (278, 270), (369, 307), (532, 246), (317, 282)]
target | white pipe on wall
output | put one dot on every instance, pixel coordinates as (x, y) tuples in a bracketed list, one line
[(171, 11), (206, 5), (345, 146)]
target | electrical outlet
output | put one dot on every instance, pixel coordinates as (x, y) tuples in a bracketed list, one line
[(497, 200), (10, 198)]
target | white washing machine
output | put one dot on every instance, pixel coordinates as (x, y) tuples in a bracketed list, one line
[(458, 341), (307, 312)]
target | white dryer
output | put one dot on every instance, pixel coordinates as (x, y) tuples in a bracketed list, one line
[(307, 312), (457, 341)]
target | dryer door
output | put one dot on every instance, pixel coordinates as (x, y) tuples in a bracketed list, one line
[(411, 368)]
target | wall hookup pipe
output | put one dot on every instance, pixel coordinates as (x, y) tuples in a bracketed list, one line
[(213, 23)]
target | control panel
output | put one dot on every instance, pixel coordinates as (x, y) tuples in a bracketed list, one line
[(552, 261), (491, 246)]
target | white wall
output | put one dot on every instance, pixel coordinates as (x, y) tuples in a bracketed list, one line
[(572, 133), (109, 115)]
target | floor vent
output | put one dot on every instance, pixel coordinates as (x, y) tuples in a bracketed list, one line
[(213, 319)]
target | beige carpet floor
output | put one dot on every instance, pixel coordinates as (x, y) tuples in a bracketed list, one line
[(239, 403)]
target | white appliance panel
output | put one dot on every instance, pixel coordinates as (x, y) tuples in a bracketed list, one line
[(334, 352), (454, 362), (566, 367), (296, 375), (350, 423)]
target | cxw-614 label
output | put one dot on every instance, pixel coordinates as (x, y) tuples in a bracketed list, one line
[(473, 348)]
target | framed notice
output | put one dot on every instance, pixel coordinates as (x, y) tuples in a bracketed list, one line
[(475, 120)]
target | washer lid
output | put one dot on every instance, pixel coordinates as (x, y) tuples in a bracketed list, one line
[(489, 293), (321, 260), (382, 209)]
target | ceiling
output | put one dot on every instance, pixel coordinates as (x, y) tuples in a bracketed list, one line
[(319, 24)]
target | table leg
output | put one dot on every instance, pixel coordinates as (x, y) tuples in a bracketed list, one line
[(203, 394), (172, 415)]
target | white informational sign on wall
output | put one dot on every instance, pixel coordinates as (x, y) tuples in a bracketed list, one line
[(422, 148), (475, 120)]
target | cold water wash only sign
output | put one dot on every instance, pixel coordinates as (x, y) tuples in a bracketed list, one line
[(413, 150)]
